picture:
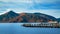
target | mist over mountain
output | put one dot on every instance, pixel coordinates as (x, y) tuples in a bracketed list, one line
[(26, 17)]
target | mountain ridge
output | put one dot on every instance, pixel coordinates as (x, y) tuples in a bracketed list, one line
[(26, 17)]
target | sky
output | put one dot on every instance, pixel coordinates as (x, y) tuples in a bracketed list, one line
[(50, 7)]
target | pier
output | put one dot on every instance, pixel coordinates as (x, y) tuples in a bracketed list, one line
[(51, 25)]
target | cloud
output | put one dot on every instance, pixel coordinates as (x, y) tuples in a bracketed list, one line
[(44, 6), (55, 13), (30, 4), (51, 12), (29, 1)]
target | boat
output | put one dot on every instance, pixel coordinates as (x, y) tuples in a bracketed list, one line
[(45, 25)]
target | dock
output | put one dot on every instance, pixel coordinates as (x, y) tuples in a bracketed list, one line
[(45, 25)]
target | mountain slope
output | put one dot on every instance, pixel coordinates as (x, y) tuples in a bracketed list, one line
[(34, 17), (58, 19), (26, 17), (7, 16)]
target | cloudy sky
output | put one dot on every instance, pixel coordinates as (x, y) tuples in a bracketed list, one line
[(50, 7)]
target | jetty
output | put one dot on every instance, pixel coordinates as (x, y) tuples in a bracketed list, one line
[(45, 25)]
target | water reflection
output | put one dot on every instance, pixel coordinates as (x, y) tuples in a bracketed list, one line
[(16, 28)]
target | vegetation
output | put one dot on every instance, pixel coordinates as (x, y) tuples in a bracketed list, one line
[(26, 17)]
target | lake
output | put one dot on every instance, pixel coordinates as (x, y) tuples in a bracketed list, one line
[(17, 28)]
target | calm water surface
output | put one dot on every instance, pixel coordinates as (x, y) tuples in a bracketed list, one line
[(16, 28)]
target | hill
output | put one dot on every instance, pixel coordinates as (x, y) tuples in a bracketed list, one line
[(26, 17)]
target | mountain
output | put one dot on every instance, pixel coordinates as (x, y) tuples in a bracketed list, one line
[(48, 17), (34, 17), (7, 16), (26, 17), (58, 19)]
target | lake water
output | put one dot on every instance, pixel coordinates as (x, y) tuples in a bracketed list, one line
[(17, 28)]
